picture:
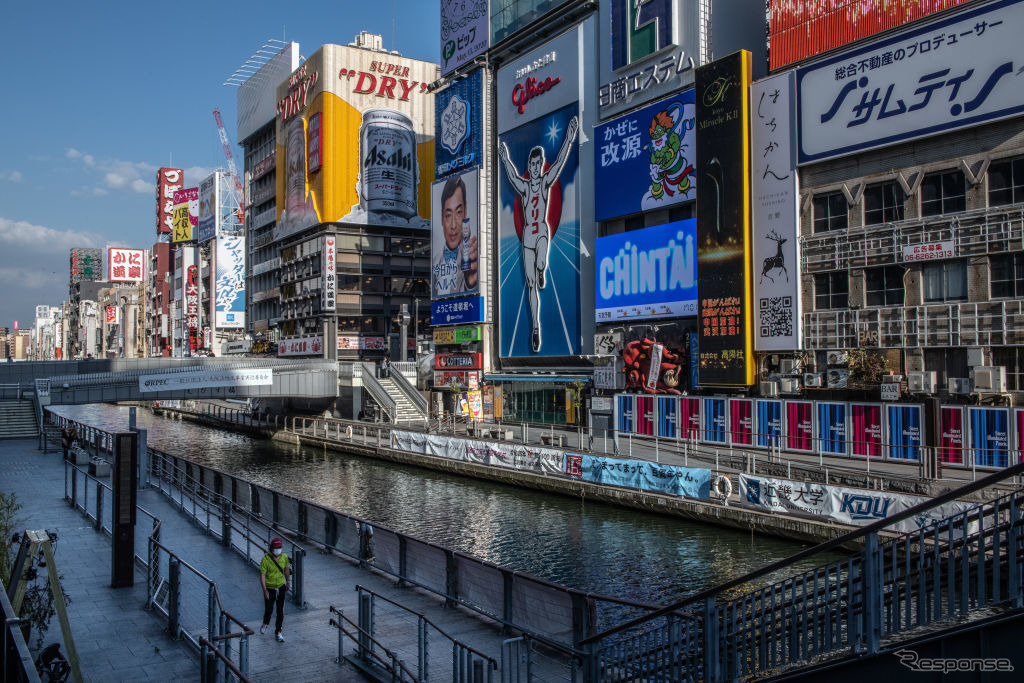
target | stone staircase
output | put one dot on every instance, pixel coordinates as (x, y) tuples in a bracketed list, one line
[(18, 420), (407, 411)]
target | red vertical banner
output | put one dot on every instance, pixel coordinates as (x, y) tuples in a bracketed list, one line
[(799, 428), (951, 442), (689, 418), (741, 421), (645, 415), (866, 437)]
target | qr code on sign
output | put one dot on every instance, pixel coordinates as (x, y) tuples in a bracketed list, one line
[(776, 316)]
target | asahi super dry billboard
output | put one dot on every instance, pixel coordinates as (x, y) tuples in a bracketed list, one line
[(723, 221), (345, 99)]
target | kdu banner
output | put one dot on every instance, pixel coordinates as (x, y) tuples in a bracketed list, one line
[(856, 507)]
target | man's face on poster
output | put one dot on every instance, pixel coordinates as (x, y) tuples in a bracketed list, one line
[(452, 214)]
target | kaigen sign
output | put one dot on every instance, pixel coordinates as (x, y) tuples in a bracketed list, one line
[(648, 273), (958, 71), (644, 160)]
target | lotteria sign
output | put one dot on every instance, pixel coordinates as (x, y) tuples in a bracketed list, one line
[(647, 273)]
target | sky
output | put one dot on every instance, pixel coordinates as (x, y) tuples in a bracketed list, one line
[(97, 96)]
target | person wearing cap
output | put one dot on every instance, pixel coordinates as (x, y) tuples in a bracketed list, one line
[(275, 572)]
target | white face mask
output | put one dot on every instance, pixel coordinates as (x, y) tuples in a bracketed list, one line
[(277, 551)]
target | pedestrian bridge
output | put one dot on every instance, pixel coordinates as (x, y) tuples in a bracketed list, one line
[(148, 379)]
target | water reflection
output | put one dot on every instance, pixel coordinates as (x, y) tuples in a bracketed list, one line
[(586, 545)]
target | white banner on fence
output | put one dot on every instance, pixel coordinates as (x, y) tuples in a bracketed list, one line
[(857, 507), (206, 379), (512, 456)]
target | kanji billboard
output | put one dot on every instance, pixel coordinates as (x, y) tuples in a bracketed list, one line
[(126, 265)]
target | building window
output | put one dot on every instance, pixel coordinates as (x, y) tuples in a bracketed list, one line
[(947, 364), (884, 286), (1007, 275), (1013, 360), (831, 290), (1006, 182), (830, 212), (883, 203), (943, 193), (946, 281)]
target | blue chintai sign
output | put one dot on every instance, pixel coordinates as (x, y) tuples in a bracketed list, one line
[(647, 273), (644, 160), (457, 311)]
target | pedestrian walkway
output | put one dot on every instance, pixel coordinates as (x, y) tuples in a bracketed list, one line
[(118, 640)]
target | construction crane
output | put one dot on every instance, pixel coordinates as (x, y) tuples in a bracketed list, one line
[(236, 200)]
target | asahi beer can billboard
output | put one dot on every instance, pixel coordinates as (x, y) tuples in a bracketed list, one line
[(345, 98), (388, 169)]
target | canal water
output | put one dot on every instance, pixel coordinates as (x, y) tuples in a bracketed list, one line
[(582, 544)]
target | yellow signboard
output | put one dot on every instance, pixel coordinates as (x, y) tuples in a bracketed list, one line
[(185, 214)]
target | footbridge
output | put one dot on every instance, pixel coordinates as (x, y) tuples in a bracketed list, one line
[(148, 379)]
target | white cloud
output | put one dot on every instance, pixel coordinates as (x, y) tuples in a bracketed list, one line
[(99, 191), (196, 174), (13, 176), (118, 174), (31, 239)]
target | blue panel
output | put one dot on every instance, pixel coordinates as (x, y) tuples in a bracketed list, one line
[(668, 416), (459, 126), (769, 423), (989, 436), (714, 421), (624, 412), (457, 311), (832, 428), (904, 432)]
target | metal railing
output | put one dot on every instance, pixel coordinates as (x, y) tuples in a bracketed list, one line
[(456, 661), (410, 392), (369, 652), (987, 323), (933, 577), (496, 592), (16, 663), (236, 528), (976, 232), (378, 392), (172, 585)]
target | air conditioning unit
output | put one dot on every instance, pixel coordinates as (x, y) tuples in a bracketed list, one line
[(837, 358), (990, 379), (959, 385), (922, 382), (812, 380), (787, 366), (789, 385), (769, 389)]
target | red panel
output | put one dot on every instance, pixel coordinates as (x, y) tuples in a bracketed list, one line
[(799, 29)]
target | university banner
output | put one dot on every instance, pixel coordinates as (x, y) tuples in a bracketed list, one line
[(856, 507), (689, 482)]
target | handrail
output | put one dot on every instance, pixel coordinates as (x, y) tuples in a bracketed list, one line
[(378, 392), (874, 527), (359, 588), (410, 392), (12, 625), (206, 645), (395, 661)]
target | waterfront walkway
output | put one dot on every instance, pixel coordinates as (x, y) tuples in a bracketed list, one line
[(117, 639)]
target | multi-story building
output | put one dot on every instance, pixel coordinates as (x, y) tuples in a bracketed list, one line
[(256, 130), (912, 212), (159, 297)]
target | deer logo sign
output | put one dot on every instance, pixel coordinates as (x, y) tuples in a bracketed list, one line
[(777, 261)]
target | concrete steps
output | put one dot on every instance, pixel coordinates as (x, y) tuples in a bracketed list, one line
[(407, 411), (18, 420)]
